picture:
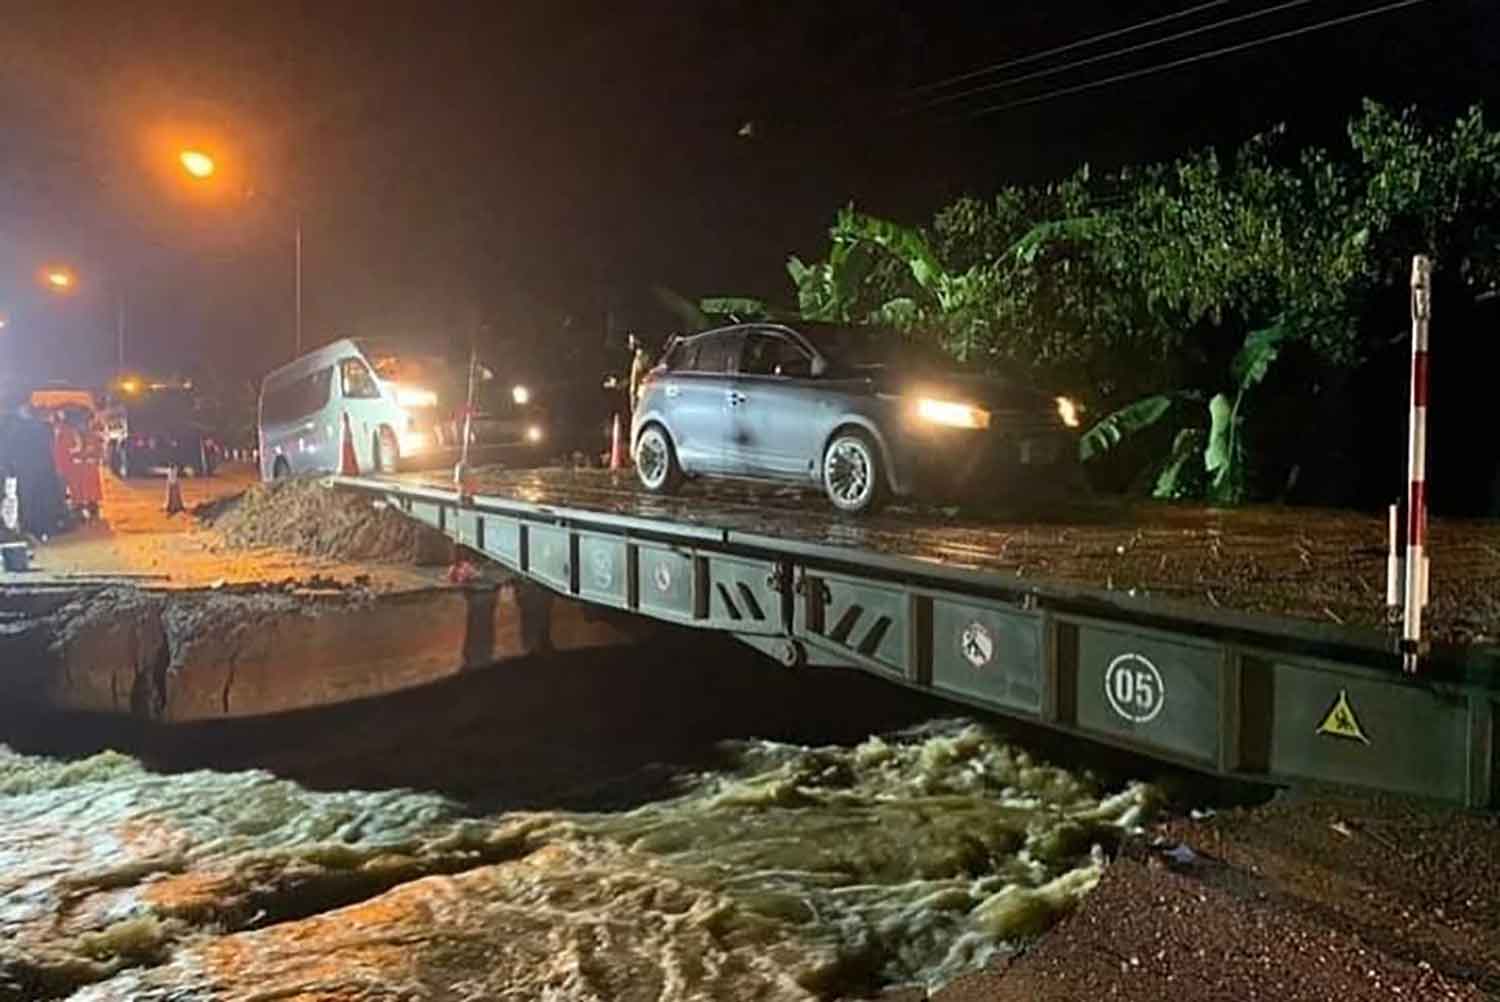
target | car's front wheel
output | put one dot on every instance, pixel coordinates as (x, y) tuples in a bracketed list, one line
[(852, 477), (656, 461)]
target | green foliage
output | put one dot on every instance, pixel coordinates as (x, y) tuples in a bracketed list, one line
[(1197, 273)]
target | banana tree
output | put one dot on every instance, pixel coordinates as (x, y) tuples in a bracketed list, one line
[(1208, 458)]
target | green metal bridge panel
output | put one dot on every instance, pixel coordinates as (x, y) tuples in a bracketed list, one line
[(1149, 689), (988, 652), (668, 585), (744, 596), (871, 622), (1236, 695), (603, 570), (1353, 729), (502, 540), (465, 528), (549, 556)]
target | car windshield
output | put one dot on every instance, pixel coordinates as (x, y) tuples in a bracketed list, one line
[(849, 346)]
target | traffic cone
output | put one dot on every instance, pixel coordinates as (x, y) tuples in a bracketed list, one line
[(616, 447), (174, 493), (348, 461)]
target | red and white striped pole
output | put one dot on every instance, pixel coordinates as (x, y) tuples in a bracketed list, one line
[(1416, 461)]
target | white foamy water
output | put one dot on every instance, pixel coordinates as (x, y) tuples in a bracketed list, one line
[(793, 873)]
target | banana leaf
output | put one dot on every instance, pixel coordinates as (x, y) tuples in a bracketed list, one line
[(1111, 430)]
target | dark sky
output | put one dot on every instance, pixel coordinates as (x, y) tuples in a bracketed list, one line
[(514, 161)]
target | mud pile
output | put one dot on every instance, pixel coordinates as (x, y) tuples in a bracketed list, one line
[(311, 517)]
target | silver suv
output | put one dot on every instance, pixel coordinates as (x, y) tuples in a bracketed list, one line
[(863, 412)]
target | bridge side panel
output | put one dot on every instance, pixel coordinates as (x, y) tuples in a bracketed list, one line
[(1350, 728), (1150, 689), (988, 652)]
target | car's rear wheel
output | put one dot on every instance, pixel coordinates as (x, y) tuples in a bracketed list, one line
[(387, 451), (656, 461), (852, 477)]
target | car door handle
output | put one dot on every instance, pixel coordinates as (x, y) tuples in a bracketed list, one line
[(736, 398), (672, 391)]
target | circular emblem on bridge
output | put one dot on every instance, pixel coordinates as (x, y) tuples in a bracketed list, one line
[(662, 576), (1134, 688), (977, 644), (602, 565)]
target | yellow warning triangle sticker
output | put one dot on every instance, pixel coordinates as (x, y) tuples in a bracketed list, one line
[(1340, 720)]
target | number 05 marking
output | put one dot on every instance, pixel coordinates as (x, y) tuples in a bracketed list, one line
[(1134, 688)]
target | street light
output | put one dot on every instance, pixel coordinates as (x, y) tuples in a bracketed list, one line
[(201, 166), (197, 163), (60, 279)]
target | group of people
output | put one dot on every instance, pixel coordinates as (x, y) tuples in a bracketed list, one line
[(49, 468)]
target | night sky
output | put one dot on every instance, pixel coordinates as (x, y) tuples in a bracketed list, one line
[(507, 164)]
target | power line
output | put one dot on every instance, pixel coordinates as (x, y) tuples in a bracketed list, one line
[(1134, 74), (1059, 50), (1128, 50)]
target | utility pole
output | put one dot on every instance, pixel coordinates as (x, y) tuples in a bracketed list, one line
[(120, 334), (298, 242)]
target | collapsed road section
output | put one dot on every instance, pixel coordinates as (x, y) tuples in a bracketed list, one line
[(279, 597)]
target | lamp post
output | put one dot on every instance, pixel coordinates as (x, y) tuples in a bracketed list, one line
[(201, 166)]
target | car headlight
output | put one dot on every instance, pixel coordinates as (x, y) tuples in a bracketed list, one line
[(1068, 410), (534, 433), (521, 395), (952, 414), (415, 396)]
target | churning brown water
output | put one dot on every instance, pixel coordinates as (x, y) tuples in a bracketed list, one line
[(790, 873)]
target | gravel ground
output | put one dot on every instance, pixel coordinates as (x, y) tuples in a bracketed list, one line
[(1326, 897), (1317, 565)]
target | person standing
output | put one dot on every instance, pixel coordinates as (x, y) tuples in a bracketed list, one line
[(640, 364), (28, 451), (77, 458)]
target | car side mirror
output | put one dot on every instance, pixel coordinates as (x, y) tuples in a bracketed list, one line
[(819, 366)]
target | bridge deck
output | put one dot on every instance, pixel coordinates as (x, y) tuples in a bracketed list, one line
[(1319, 566), (1247, 642)]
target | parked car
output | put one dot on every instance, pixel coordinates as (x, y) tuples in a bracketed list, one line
[(404, 410), (864, 413), (158, 429)]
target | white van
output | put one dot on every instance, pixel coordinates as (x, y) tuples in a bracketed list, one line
[(303, 407)]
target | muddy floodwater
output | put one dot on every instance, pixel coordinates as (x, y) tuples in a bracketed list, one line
[(713, 863)]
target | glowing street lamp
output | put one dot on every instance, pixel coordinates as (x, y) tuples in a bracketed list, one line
[(197, 163), (59, 279)]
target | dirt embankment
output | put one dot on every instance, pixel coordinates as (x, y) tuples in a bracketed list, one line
[(1327, 897), (310, 517)]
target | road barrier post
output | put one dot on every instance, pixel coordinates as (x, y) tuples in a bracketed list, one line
[(1416, 462)]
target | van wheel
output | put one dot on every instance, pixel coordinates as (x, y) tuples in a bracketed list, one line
[(280, 471), (852, 477), (656, 461), (387, 451)]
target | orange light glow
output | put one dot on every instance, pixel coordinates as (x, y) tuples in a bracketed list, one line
[(197, 163), (60, 279)]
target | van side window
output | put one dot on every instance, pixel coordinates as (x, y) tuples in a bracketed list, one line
[(357, 382), (298, 399)]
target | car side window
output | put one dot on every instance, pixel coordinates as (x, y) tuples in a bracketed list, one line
[(774, 355), (714, 354), (357, 382)]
